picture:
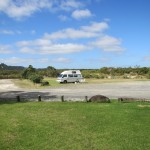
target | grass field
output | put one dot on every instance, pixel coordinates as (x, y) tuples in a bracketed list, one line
[(74, 126)]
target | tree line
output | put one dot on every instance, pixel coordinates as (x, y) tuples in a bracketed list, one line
[(37, 75), (106, 72)]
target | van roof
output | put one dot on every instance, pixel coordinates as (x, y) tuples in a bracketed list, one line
[(71, 71)]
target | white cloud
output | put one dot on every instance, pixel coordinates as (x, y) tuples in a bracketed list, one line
[(19, 9), (63, 17), (80, 14), (146, 58), (54, 49), (37, 42), (108, 44), (96, 27), (70, 4), (24, 8), (15, 60), (4, 3), (70, 34), (8, 32), (90, 31), (27, 61), (28, 50), (61, 60), (5, 49), (69, 41)]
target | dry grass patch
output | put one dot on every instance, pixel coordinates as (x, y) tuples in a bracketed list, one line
[(144, 106)]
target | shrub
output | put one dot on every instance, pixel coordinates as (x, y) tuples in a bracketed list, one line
[(148, 75), (35, 78), (125, 76), (28, 72)]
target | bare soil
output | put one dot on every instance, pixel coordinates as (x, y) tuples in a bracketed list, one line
[(7, 84)]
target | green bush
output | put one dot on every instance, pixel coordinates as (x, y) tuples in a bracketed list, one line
[(32, 74), (28, 71), (36, 78), (10, 74), (148, 75)]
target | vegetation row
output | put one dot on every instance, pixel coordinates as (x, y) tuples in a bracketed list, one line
[(37, 75)]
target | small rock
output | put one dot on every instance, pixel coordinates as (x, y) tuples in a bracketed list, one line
[(45, 83)]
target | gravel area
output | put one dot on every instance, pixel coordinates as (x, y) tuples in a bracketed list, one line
[(7, 84), (135, 89)]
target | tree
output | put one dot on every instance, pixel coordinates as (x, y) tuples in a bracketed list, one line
[(32, 74), (51, 68), (51, 71), (28, 71), (148, 74), (105, 70), (36, 78)]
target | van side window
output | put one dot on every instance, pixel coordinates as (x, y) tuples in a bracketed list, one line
[(75, 75), (65, 75), (70, 75), (79, 76)]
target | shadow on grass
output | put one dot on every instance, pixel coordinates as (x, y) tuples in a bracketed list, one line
[(8, 101)]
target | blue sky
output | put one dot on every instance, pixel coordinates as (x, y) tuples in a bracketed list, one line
[(75, 33)]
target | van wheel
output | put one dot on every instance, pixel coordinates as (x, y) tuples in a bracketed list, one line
[(77, 81), (65, 81)]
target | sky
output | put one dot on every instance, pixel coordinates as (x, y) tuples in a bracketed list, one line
[(88, 34)]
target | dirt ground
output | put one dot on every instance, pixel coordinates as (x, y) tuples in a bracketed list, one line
[(7, 84), (136, 89)]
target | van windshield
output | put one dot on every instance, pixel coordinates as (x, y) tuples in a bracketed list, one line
[(60, 76)]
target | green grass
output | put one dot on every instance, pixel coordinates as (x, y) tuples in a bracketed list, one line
[(53, 82), (74, 126)]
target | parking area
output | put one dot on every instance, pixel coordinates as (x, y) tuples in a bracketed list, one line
[(135, 89)]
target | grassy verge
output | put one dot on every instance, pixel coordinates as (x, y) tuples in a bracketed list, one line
[(53, 82), (23, 83), (75, 126), (30, 85)]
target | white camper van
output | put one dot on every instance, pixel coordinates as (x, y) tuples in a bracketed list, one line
[(70, 76)]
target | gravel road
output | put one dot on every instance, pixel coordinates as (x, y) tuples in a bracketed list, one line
[(135, 89)]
